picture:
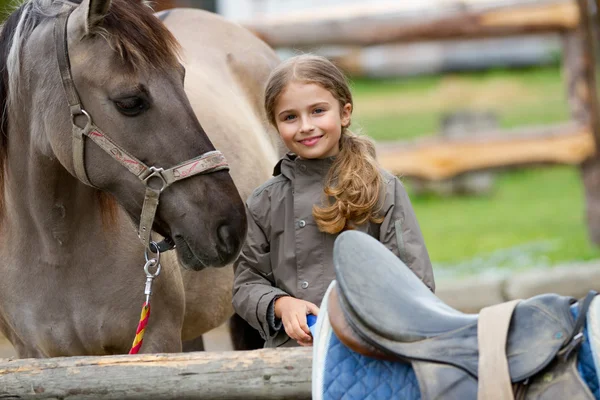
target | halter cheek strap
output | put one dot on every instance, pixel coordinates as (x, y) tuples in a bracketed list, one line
[(155, 179)]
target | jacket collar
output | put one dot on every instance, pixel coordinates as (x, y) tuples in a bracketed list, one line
[(290, 162), (288, 157)]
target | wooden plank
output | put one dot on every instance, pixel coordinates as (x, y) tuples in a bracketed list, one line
[(443, 23), (442, 158), (260, 374)]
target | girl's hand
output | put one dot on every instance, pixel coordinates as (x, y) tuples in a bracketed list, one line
[(292, 313)]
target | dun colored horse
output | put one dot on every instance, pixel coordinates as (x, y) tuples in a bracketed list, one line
[(95, 122)]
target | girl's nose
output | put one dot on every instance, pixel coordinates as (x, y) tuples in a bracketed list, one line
[(306, 126)]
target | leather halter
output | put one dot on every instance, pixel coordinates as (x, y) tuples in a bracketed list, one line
[(155, 179)]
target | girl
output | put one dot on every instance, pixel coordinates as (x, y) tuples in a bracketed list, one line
[(329, 182)]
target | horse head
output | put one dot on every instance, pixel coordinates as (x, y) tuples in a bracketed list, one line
[(111, 70)]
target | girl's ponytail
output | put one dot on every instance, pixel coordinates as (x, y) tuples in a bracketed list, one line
[(352, 186)]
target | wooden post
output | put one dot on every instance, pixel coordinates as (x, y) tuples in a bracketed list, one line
[(258, 374), (580, 60), (576, 77)]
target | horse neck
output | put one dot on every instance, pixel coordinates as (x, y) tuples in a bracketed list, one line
[(45, 205)]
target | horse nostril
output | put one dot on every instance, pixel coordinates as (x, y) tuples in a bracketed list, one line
[(224, 234)]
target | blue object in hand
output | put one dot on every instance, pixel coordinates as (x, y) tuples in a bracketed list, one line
[(311, 321)]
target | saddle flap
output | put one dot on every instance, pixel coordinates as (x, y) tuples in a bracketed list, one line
[(390, 309), (378, 286)]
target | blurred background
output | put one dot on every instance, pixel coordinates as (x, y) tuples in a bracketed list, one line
[(429, 75)]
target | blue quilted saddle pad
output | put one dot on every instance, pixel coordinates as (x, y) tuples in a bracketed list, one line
[(340, 373)]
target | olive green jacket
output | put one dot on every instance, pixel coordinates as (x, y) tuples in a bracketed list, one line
[(286, 254)]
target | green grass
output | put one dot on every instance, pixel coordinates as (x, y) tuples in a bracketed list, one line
[(394, 127), (540, 208), (534, 217)]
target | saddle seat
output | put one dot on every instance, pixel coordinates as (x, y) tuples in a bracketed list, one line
[(381, 309)]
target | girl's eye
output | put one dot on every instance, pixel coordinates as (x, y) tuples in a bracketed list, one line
[(130, 106), (289, 117), (319, 110)]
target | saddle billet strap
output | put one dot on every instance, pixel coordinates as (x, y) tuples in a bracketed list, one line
[(572, 341), (492, 332)]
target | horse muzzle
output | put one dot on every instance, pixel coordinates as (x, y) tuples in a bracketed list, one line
[(222, 250)]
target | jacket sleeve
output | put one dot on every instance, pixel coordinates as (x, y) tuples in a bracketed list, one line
[(253, 286), (400, 232)]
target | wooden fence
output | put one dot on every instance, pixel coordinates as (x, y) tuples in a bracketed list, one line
[(405, 22), (259, 374)]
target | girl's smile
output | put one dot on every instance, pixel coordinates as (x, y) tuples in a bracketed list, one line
[(310, 141), (310, 120)]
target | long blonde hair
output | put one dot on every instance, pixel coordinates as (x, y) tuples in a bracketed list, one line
[(353, 183)]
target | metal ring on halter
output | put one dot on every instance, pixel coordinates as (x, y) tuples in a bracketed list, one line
[(153, 245), (154, 172), (151, 263), (87, 124)]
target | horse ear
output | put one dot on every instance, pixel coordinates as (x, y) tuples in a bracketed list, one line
[(90, 13)]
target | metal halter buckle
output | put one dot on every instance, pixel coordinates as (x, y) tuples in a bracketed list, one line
[(158, 173)]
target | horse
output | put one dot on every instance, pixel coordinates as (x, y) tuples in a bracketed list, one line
[(99, 135)]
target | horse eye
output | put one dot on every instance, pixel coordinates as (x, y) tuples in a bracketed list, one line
[(130, 106)]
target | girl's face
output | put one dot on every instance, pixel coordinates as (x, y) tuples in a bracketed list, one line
[(310, 121)]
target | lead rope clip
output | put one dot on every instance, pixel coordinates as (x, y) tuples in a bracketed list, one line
[(145, 315)]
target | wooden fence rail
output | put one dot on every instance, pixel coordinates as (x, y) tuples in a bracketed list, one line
[(438, 158), (260, 374), (398, 24)]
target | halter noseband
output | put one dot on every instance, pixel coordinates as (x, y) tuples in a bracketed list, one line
[(155, 179)]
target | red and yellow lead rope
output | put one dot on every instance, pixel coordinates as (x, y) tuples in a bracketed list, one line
[(139, 333), (150, 276)]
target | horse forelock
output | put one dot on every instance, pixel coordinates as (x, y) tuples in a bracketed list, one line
[(141, 39)]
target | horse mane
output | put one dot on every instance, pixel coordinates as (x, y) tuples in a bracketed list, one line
[(130, 28), (6, 36)]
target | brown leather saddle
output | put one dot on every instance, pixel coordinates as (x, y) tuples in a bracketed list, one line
[(379, 308)]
